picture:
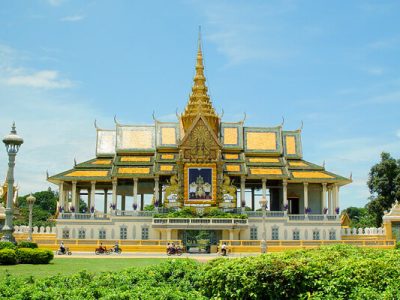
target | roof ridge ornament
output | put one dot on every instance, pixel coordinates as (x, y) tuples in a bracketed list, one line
[(95, 125), (116, 121), (283, 121), (301, 126)]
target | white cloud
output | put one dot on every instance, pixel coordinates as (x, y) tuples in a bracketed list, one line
[(376, 71), (46, 79), (73, 18)]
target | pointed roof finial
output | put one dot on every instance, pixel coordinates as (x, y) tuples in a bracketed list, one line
[(199, 39)]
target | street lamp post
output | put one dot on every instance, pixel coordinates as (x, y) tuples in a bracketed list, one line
[(12, 142), (30, 200), (263, 204)]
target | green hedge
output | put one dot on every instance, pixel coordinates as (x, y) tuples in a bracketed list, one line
[(8, 257), (337, 272), (26, 244), (34, 256), (7, 245)]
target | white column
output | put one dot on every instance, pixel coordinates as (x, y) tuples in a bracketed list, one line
[(323, 197), (157, 190), (169, 234), (285, 200), (135, 184), (336, 189), (77, 199), (264, 191), (114, 192), (242, 191), (92, 194), (330, 209), (61, 198), (73, 200), (105, 200), (306, 195)]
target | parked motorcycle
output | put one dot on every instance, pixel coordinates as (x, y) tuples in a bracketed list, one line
[(66, 252)]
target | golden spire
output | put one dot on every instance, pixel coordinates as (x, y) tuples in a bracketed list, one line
[(199, 101)]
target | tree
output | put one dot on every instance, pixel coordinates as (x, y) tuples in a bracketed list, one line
[(384, 186), (360, 217)]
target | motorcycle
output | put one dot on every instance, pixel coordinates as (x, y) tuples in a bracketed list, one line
[(66, 252), (174, 251), (118, 251), (102, 250)]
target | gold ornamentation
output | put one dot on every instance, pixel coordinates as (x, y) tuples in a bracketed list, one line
[(261, 140), (87, 174), (135, 158), (133, 170), (166, 168), (263, 160), (102, 162), (214, 183), (230, 136), (311, 174), (167, 156), (231, 156), (168, 136), (290, 145), (265, 171), (233, 168), (172, 190), (137, 139), (201, 144), (228, 190), (297, 164)]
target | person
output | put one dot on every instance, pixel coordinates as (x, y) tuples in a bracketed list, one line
[(168, 248), (223, 249), (116, 246), (101, 248), (62, 247)]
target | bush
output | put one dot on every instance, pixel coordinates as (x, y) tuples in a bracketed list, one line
[(7, 245), (34, 256), (8, 257), (26, 244), (398, 245)]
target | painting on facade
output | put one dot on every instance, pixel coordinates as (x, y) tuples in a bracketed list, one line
[(200, 184)]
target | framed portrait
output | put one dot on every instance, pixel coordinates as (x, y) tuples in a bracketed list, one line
[(200, 183)]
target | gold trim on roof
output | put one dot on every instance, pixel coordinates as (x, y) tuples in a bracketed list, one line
[(166, 168), (87, 174), (261, 140), (133, 170), (167, 156), (102, 162), (137, 139), (297, 164), (263, 160), (231, 156), (311, 174), (265, 171), (230, 136), (135, 158), (233, 168), (290, 145), (168, 136)]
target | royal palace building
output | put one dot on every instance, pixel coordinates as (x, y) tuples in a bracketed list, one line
[(202, 163)]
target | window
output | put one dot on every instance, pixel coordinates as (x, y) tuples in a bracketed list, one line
[(332, 235), (253, 233), (81, 234), (145, 233), (65, 234), (315, 235), (123, 233), (296, 235), (102, 234), (275, 233)]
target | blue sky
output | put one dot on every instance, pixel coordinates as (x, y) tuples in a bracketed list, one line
[(333, 65)]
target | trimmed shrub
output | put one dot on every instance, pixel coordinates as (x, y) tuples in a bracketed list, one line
[(7, 245), (34, 256), (26, 244), (8, 257)]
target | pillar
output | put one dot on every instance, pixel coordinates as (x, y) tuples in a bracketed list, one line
[(61, 197), (285, 199), (336, 187), (92, 195), (141, 201), (323, 197), (253, 207), (306, 195), (264, 192), (114, 192), (77, 199), (169, 234), (242, 191), (231, 234), (73, 200), (135, 184), (105, 200), (157, 191), (330, 210)]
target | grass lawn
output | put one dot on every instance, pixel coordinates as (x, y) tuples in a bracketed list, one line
[(74, 265)]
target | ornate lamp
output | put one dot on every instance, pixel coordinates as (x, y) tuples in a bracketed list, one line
[(263, 204), (12, 141), (30, 200)]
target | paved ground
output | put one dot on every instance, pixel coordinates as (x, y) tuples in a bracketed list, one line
[(199, 257)]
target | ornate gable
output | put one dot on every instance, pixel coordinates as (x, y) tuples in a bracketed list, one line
[(200, 144)]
